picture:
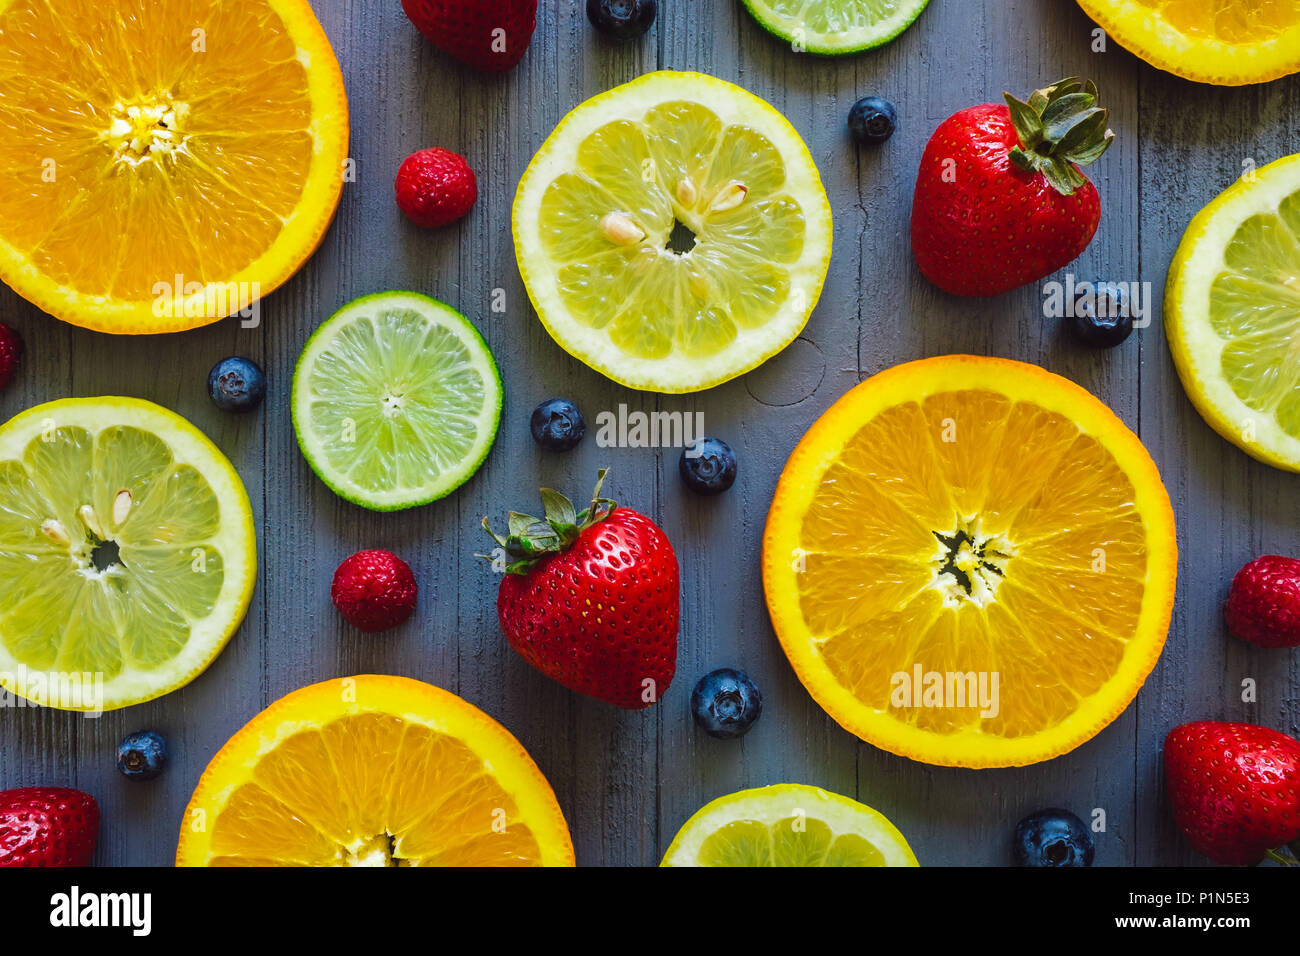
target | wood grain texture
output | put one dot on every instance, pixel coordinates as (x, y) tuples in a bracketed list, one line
[(628, 781)]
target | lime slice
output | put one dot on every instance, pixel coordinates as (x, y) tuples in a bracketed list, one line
[(788, 825), (673, 233), (1232, 313), (396, 401), (127, 553), (833, 27)]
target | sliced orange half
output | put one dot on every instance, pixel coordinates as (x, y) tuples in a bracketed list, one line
[(373, 771), (971, 562), (166, 162), (1225, 42)]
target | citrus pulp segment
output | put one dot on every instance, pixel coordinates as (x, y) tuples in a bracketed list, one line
[(127, 552), (971, 562), (1232, 313), (396, 400), (373, 771), (833, 27), (788, 825), (673, 233), (167, 162), (1226, 42)]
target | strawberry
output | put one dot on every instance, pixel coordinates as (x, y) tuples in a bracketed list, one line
[(488, 35), (11, 351), (374, 591), (590, 599), (435, 187), (1263, 605), (1234, 789), (47, 826), (999, 200)]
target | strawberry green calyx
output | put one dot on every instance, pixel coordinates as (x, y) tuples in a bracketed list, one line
[(530, 539), (1060, 129)]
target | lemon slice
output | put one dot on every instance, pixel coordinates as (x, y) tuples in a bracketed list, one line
[(127, 553), (1229, 42), (971, 562), (1232, 314), (373, 771), (167, 163), (673, 233), (788, 825), (833, 27)]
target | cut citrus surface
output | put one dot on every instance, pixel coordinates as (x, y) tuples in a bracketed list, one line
[(166, 162), (673, 233), (971, 562), (373, 771), (127, 552), (788, 825), (1227, 42), (833, 27), (1232, 313), (396, 400)]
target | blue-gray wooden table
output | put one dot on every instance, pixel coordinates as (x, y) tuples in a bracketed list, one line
[(627, 781)]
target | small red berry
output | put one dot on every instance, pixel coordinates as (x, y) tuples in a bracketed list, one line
[(435, 187), (1264, 604), (374, 591), (11, 350)]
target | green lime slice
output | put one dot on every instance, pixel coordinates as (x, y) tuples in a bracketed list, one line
[(788, 825), (127, 553), (834, 27), (396, 401)]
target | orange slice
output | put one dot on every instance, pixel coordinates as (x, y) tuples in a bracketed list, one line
[(971, 562), (373, 771), (1225, 42), (167, 162)]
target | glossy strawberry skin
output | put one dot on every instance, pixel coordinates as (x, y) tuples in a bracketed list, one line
[(980, 225), (602, 617), (435, 187), (1263, 606), (466, 29), (374, 591), (47, 826), (1234, 789)]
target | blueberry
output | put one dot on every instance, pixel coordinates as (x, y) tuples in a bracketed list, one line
[(142, 755), (1052, 838), (708, 466), (872, 120), (237, 384), (1102, 320), (622, 19), (726, 703), (557, 425)]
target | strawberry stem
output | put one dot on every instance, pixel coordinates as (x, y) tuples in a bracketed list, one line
[(1061, 128), (528, 540)]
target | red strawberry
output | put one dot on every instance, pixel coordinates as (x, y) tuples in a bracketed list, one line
[(1264, 603), (47, 826), (591, 599), (11, 350), (1000, 201), (374, 590), (435, 187), (487, 34), (1234, 789)]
